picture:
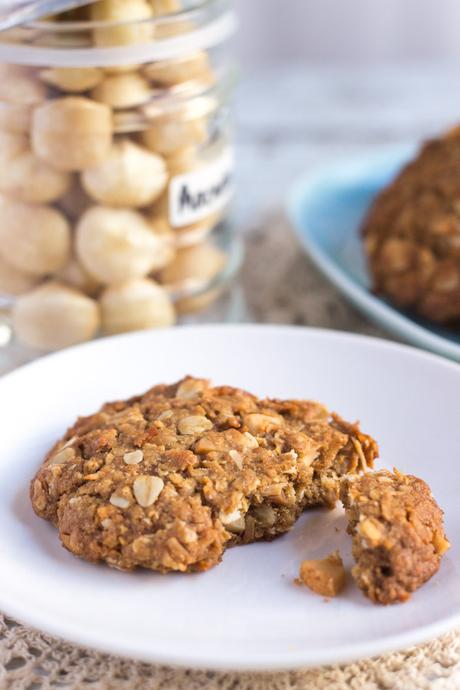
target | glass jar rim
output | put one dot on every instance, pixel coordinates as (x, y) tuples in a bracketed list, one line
[(213, 21), (195, 13)]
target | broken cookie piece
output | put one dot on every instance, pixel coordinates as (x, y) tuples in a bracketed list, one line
[(169, 479), (325, 577), (398, 533)]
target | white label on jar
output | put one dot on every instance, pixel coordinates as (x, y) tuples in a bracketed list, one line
[(200, 193)]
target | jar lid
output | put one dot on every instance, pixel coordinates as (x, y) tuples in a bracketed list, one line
[(210, 27)]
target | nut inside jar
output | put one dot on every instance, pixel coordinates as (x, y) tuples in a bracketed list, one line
[(91, 156)]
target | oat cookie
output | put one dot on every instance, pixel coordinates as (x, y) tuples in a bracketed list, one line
[(398, 533), (167, 480), (412, 234)]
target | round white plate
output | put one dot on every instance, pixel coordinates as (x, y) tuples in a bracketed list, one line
[(246, 613)]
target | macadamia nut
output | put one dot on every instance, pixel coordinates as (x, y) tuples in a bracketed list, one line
[(26, 177), (73, 153), (183, 160), (116, 245), (135, 305), (131, 176), (20, 90), (72, 133), (123, 90), (15, 118), (14, 282), (163, 7), (192, 269), (161, 227), (194, 266), (73, 79), (128, 19), (33, 238), (75, 275), (12, 145), (19, 85), (168, 134), (168, 73), (54, 316)]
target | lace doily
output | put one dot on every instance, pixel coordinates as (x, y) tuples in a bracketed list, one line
[(281, 286), (33, 661)]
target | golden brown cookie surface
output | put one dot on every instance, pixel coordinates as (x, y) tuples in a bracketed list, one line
[(398, 533), (168, 479)]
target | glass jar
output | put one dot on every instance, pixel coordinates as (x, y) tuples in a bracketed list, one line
[(115, 168)]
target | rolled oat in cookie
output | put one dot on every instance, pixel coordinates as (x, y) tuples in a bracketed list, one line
[(167, 480), (398, 533)]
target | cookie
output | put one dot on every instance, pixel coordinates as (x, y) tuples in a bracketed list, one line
[(412, 234), (398, 534), (169, 479)]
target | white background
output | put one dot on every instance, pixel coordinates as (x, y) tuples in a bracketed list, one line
[(347, 30)]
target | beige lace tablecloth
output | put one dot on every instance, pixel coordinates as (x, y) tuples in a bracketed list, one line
[(281, 286)]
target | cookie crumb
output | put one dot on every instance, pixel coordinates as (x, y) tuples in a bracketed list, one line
[(325, 577)]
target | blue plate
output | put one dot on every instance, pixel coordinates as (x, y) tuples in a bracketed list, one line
[(327, 209)]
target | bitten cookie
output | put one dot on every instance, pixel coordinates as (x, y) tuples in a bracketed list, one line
[(412, 233), (167, 480), (398, 534)]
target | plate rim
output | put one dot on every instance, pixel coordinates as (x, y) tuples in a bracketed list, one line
[(285, 660), (378, 311)]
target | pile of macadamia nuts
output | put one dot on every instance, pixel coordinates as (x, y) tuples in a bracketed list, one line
[(88, 155)]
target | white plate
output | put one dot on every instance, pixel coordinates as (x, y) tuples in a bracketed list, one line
[(246, 613), (327, 208)]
